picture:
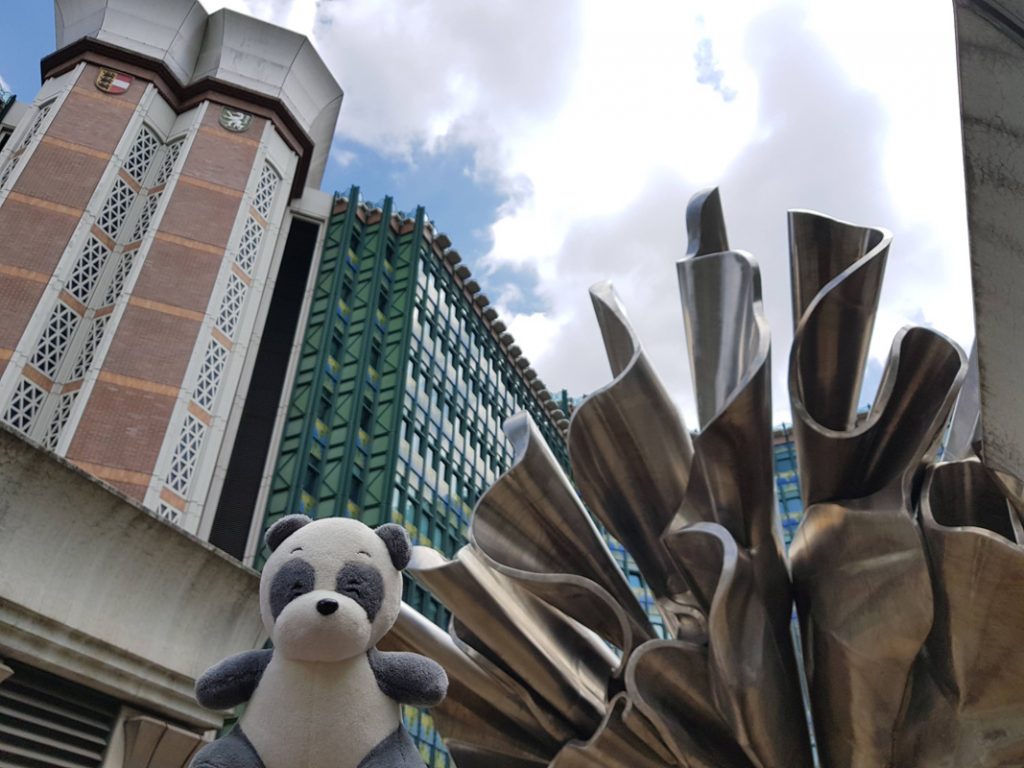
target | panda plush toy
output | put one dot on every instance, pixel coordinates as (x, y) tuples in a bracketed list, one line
[(324, 697)]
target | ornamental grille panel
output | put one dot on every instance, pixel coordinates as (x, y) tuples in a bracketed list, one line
[(92, 342), (263, 200), (60, 418), (115, 209), (249, 247), (231, 306), (5, 174), (25, 404), (186, 454), (170, 159), (210, 375), (117, 282), (141, 155), (168, 513), (37, 123), (87, 270), (55, 339), (145, 217), (48, 721), (97, 278)]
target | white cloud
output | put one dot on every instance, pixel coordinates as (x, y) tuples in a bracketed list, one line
[(811, 125), (343, 157), (592, 119)]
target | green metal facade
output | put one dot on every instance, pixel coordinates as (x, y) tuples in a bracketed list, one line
[(787, 482), (400, 392)]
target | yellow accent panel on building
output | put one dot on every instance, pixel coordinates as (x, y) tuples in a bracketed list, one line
[(133, 383)]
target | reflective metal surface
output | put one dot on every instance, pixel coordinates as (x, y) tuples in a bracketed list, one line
[(565, 665), (967, 706), (907, 574), (859, 571), (532, 527), (486, 709), (631, 454)]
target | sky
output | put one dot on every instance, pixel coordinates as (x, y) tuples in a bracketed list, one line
[(558, 142)]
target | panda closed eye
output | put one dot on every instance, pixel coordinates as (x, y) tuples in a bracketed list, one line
[(364, 584), (294, 579)]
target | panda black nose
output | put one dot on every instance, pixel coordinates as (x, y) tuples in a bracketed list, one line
[(327, 607)]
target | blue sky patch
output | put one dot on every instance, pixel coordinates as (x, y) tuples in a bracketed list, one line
[(441, 181)]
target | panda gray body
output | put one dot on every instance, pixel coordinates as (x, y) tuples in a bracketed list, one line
[(325, 697)]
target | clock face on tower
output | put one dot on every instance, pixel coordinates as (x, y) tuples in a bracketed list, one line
[(235, 120)]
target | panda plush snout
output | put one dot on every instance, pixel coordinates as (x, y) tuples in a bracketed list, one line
[(322, 625)]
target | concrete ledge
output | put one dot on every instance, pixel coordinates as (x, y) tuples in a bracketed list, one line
[(96, 589)]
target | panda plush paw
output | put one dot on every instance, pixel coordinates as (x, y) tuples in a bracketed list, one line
[(325, 697)]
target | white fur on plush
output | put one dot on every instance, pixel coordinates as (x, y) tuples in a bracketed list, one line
[(299, 631), (318, 704), (289, 718)]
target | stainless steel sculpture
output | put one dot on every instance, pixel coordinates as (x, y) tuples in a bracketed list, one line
[(907, 573)]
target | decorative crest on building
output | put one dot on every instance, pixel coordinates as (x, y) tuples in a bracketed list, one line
[(112, 81), (235, 120)]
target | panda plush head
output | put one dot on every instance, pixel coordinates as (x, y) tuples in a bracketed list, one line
[(331, 588)]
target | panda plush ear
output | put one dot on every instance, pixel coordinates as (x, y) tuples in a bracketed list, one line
[(284, 528), (399, 545)]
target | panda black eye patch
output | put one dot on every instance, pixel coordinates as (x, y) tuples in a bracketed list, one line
[(364, 584), (295, 578)]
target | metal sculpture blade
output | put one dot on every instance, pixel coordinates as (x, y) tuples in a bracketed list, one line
[(531, 527), (967, 704), (614, 745), (630, 455), (907, 574), (859, 570), (485, 709), (564, 664)]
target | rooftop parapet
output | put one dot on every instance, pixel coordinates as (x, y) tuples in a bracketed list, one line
[(194, 49)]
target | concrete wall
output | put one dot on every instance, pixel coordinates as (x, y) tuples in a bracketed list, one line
[(98, 590), (990, 54)]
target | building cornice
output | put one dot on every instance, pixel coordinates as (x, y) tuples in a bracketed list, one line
[(182, 96)]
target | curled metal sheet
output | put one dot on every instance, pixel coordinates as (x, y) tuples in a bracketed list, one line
[(563, 663), (919, 385), (630, 452), (968, 706), (731, 479), (614, 745), (485, 710), (751, 674), (471, 756), (705, 224), (737, 568), (837, 271), (910, 627), (838, 457), (669, 682), (865, 604), (860, 574), (963, 439), (531, 527)]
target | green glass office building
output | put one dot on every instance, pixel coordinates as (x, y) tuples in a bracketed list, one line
[(404, 378), (787, 482)]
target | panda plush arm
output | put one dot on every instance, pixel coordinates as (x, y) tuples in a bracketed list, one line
[(232, 681), (409, 678)]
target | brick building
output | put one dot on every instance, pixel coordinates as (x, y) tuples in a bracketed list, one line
[(147, 199)]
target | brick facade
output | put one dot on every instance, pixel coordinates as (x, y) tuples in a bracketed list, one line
[(150, 333)]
